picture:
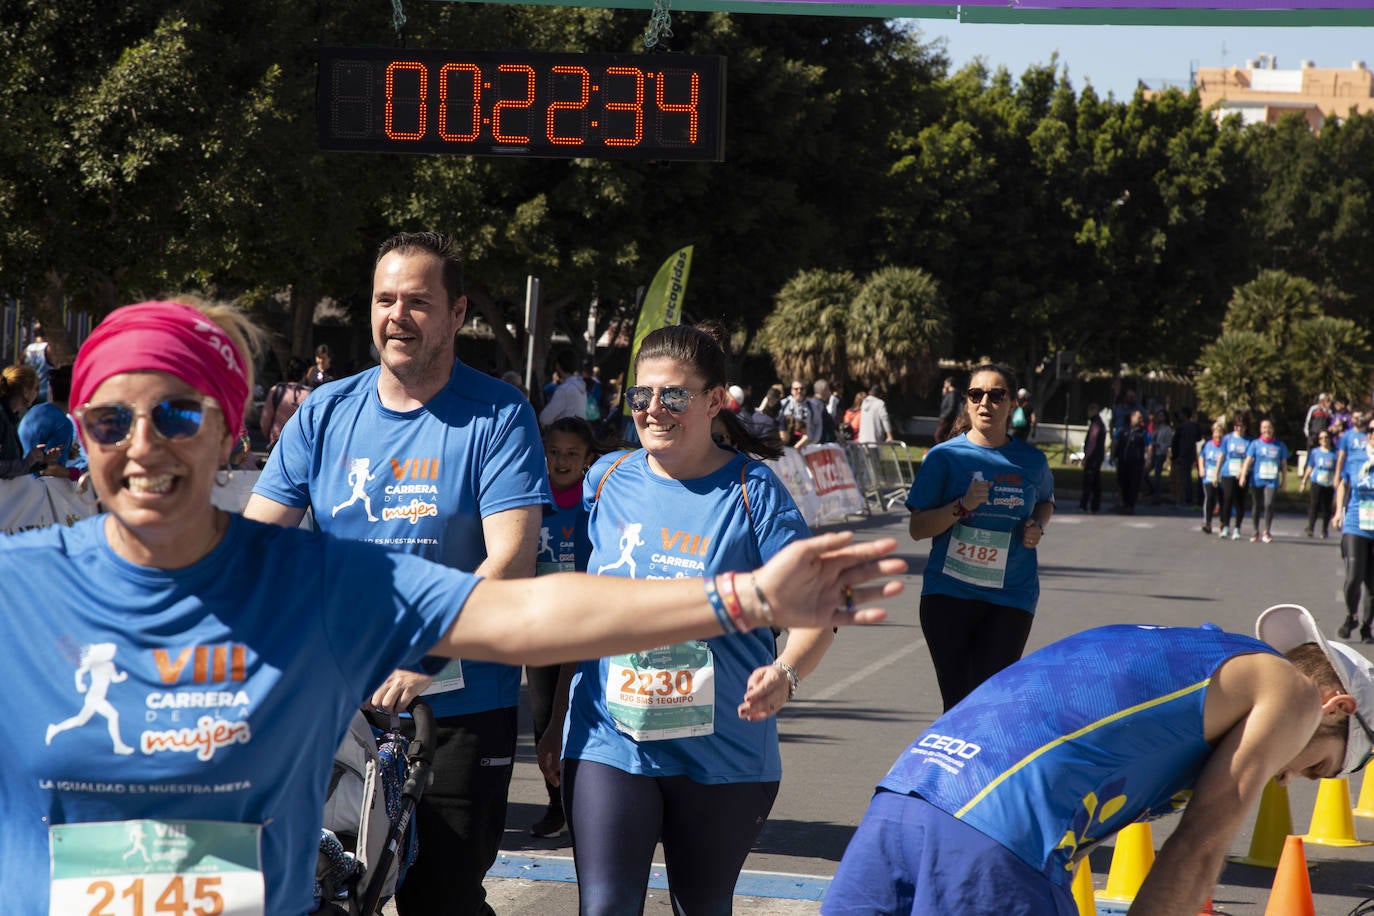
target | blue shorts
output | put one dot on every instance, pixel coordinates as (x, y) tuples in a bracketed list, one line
[(909, 857)]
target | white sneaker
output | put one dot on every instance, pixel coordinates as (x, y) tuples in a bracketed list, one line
[(1235, 534), (1222, 533)]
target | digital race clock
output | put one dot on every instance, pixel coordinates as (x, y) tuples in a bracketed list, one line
[(512, 103)]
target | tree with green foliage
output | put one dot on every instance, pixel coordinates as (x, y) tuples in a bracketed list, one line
[(806, 334), (1240, 373), (1329, 354), (898, 329), (1272, 305), (1313, 208)]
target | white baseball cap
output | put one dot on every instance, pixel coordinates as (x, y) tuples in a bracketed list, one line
[(1286, 626), (737, 393)]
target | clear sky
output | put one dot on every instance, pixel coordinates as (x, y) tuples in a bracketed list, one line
[(1113, 58)]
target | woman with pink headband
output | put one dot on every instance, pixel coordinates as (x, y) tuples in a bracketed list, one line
[(163, 668)]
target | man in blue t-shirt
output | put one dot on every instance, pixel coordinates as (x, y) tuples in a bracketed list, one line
[(425, 455), (990, 810)]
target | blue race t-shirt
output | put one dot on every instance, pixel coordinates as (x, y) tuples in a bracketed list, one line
[(1234, 449), (217, 692), (419, 482), (1212, 456), (1267, 457), (1358, 475), (1049, 770), (982, 557), (564, 545), (644, 526), (1322, 461), (1352, 440)]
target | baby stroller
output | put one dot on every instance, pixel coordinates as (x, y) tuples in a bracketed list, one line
[(380, 771)]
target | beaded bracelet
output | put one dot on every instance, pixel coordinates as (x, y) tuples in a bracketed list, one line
[(730, 595), (793, 679), (717, 605)]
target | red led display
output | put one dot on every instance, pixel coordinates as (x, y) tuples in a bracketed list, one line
[(505, 103)]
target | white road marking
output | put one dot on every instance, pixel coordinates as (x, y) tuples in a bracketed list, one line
[(864, 674)]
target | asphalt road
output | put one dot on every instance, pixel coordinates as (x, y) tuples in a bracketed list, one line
[(875, 691)]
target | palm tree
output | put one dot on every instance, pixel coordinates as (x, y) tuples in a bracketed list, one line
[(805, 333), (1329, 354), (1271, 304), (1241, 371), (898, 329)]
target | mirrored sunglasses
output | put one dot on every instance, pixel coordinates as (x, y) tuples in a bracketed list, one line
[(174, 419), (995, 395), (674, 397)]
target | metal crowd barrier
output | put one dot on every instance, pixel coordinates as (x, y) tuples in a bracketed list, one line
[(883, 470)]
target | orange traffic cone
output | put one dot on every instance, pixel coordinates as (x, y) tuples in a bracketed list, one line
[(1365, 806), (1207, 909), (1083, 889), (1292, 893), (1333, 823), (1131, 861), (1273, 823)]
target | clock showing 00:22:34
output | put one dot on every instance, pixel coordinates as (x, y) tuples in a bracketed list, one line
[(513, 103)]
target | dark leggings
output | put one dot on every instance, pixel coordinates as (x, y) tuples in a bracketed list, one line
[(1359, 577), (1262, 506), (1232, 497), (1319, 507), (970, 641), (617, 818), (1211, 495)]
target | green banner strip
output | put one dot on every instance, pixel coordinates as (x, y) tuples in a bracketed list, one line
[(1176, 17)]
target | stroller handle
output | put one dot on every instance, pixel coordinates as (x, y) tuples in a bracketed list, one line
[(422, 746)]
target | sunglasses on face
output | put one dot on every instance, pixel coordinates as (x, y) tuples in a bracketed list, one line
[(674, 397), (112, 425), (995, 395)]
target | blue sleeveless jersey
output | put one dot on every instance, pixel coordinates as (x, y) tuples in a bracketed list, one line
[(1087, 735)]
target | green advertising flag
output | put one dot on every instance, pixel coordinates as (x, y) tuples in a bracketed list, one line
[(662, 305)]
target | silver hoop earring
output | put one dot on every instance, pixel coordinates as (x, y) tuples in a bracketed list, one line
[(223, 476)]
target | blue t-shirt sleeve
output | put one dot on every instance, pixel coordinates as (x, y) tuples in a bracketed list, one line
[(1044, 484), (286, 477), (386, 609), (514, 472), (927, 490)]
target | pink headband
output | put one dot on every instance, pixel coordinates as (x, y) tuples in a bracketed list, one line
[(164, 337)]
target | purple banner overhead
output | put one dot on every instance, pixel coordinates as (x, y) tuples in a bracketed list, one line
[(1253, 5)]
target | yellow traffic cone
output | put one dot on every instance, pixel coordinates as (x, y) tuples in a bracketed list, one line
[(1131, 861), (1273, 823), (1333, 824), (1083, 889), (1365, 806), (1292, 892)]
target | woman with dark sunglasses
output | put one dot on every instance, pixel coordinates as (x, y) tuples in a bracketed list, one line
[(984, 498), (679, 744), (186, 674)]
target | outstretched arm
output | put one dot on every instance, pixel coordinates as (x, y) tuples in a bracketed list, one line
[(1275, 712), (512, 538), (570, 616)]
